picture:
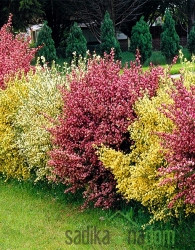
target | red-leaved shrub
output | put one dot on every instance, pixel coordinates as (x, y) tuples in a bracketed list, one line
[(181, 144), (96, 111), (15, 53)]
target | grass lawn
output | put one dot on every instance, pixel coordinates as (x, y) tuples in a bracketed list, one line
[(38, 217), (156, 59), (175, 69)]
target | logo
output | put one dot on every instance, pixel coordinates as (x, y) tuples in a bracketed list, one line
[(150, 237), (128, 216), (91, 235)]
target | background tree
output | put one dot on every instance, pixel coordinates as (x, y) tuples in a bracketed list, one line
[(169, 38), (58, 14), (141, 39), (24, 12), (190, 10), (191, 40), (108, 39), (44, 38), (124, 14), (76, 42), (121, 13)]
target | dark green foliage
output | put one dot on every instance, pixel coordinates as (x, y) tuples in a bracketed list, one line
[(191, 40), (141, 39), (108, 39), (186, 53), (156, 58), (76, 42), (44, 38), (127, 57), (169, 38)]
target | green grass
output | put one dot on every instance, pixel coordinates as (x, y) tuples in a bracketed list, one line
[(175, 69), (37, 217)]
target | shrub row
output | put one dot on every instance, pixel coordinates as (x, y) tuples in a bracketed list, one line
[(108, 133)]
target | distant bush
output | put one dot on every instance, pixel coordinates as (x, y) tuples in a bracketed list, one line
[(156, 59), (127, 57), (141, 39), (186, 54)]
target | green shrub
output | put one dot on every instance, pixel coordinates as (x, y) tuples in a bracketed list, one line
[(191, 40), (186, 55), (108, 39), (45, 39), (141, 39), (127, 57), (157, 58), (169, 38), (76, 42)]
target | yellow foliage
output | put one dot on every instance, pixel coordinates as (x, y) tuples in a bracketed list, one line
[(28, 107), (12, 164), (188, 70), (137, 173), (44, 101)]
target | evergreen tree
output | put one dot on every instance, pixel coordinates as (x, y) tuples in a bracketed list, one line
[(169, 38), (44, 38), (108, 39), (191, 40), (76, 42), (141, 39)]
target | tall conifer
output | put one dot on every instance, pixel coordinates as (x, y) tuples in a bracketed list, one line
[(108, 39), (45, 39)]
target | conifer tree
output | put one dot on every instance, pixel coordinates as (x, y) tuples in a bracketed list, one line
[(76, 42), (141, 39), (191, 40), (45, 39), (169, 38), (108, 39)]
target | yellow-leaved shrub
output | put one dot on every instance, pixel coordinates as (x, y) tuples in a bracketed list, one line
[(12, 164), (136, 173), (38, 112), (29, 106)]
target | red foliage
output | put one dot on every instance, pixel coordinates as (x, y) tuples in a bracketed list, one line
[(15, 54), (96, 111), (181, 144)]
